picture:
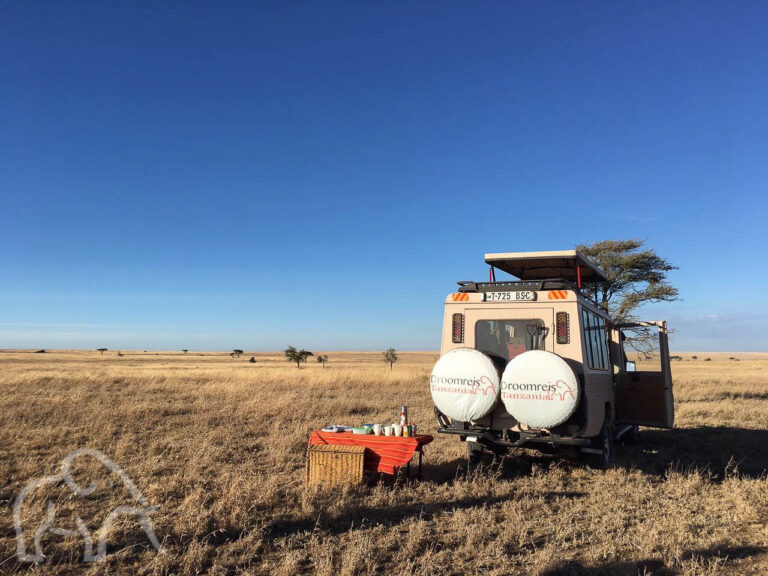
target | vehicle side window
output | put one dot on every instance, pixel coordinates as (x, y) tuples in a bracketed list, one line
[(587, 341), (602, 337), (595, 341)]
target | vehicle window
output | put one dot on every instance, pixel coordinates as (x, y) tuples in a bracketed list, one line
[(595, 341), (508, 338), (602, 343), (640, 347), (585, 319)]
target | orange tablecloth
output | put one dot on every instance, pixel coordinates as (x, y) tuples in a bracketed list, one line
[(387, 453)]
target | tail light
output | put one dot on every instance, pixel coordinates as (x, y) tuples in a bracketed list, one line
[(457, 336), (563, 328)]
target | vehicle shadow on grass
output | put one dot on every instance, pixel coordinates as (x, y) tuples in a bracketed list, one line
[(721, 450), (655, 566)]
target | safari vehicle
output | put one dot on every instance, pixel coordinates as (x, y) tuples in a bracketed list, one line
[(536, 363)]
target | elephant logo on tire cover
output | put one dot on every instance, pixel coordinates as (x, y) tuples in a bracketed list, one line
[(487, 385), (563, 390), (141, 512)]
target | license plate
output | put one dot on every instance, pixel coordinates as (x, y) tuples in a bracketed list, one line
[(520, 296)]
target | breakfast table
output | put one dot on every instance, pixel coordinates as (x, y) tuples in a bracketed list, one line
[(385, 454)]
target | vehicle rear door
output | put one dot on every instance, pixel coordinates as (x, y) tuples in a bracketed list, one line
[(644, 396), (541, 315)]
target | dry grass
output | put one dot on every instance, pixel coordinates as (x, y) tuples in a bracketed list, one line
[(219, 443)]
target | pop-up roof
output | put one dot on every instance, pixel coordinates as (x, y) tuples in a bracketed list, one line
[(565, 264)]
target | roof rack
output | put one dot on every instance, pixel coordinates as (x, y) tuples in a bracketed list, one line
[(506, 285)]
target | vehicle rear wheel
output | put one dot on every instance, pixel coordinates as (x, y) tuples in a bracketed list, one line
[(606, 444), (475, 454)]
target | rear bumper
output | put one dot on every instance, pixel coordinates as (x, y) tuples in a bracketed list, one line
[(511, 439), (504, 438)]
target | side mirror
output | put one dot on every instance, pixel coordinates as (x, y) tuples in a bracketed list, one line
[(630, 366)]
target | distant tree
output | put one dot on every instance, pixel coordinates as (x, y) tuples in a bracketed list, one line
[(636, 276), (694, 357), (236, 353), (390, 356), (102, 350), (252, 360), (707, 359), (322, 358), (185, 351), (298, 356)]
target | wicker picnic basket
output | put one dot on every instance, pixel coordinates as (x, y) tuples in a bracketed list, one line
[(333, 464)]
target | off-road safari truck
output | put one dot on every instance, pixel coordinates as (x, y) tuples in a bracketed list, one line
[(536, 363)]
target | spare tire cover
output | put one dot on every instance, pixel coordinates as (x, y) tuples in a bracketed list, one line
[(464, 384), (539, 389)]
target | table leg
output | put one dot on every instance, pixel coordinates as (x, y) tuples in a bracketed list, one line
[(419, 475)]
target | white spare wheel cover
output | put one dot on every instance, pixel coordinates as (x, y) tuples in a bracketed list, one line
[(464, 384), (539, 389)]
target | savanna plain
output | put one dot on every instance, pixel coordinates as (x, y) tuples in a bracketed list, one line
[(219, 444)]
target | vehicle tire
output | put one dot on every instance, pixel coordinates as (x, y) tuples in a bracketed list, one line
[(475, 455), (606, 444), (605, 441)]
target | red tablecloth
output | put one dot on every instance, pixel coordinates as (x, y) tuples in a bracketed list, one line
[(387, 453)]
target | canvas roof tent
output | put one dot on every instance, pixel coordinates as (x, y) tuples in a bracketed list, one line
[(566, 264)]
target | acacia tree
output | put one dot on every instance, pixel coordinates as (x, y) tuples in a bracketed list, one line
[(390, 356), (102, 350), (322, 358), (298, 356), (236, 353), (635, 276)]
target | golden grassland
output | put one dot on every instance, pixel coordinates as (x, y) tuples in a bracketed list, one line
[(218, 443)]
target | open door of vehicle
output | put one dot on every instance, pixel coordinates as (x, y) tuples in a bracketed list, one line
[(645, 397)]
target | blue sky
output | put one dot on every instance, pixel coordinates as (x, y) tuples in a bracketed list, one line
[(253, 175)]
